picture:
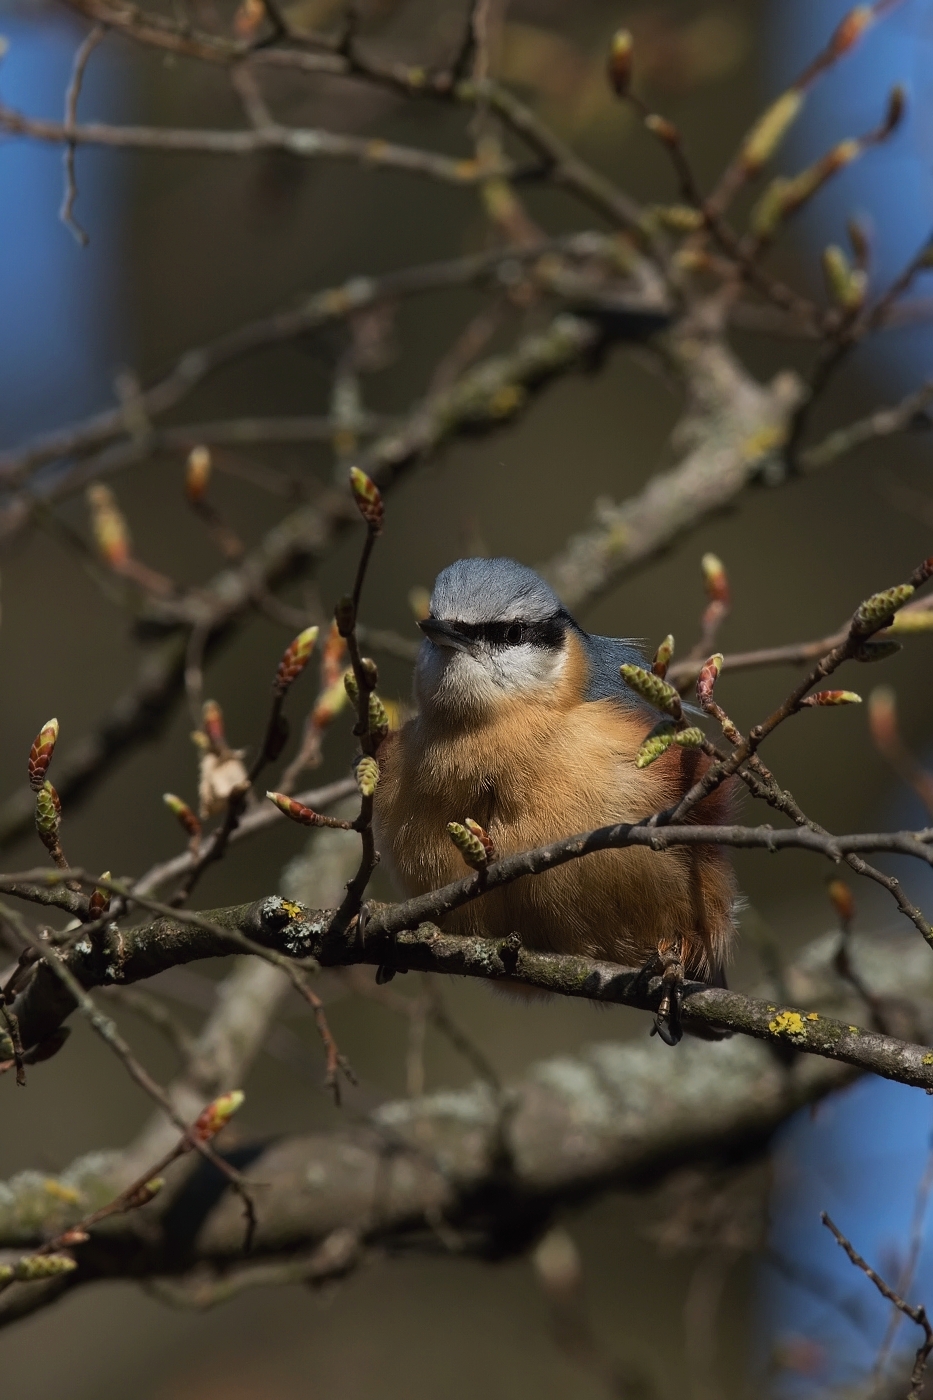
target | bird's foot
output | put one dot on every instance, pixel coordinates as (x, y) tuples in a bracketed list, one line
[(667, 1020)]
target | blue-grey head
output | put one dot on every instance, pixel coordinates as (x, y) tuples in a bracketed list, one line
[(497, 630)]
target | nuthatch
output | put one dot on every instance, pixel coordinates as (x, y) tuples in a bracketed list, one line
[(524, 725)]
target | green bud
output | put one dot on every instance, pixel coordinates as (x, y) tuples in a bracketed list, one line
[(367, 776), (880, 606), (652, 688), (469, 846)]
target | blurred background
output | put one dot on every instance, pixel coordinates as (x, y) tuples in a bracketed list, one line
[(184, 248)]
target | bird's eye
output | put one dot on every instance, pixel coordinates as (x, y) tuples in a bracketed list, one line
[(515, 634)]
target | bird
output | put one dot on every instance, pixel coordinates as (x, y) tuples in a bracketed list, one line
[(524, 724)]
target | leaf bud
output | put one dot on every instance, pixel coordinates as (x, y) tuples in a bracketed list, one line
[(470, 847), (370, 672), (367, 775), (378, 717), (842, 900), (663, 129), (197, 474), (850, 28), (345, 615), (332, 656), (662, 657), (691, 738), (351, 687), (40, 755), (212, 723), (769, 131), (217, 1114), (489, 846), (99, 902), (305, 816), (48, 815), (706, 680), (872, 614), (184, 814), (653, 747), (652, 688), (295, 658), (846, 285), (832, 697), (620, 62), (882, 718), (111, 534), (715, 579), (368, 499), (875, 651)]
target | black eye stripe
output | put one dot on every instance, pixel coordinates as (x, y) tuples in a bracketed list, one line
[(548, 634)]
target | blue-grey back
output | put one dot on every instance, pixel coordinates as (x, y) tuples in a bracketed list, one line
[(605, 656)]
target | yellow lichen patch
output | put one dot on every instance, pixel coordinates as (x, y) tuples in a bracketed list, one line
[(927, 1060), (293, 910), (789, 1023), (61, 1192), (813, 1016), (855, 1029)]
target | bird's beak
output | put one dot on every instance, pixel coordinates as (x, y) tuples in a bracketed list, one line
[(445, 634)]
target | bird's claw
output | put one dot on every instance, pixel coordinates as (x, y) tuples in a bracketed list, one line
[(667, 1021)]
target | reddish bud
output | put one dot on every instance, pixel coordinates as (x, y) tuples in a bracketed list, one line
[(217, 1115), (305, 816), (850, 28), (145, 1193), (111, 534), (248, 17), (368, 499), (832, 697), (706, 680), (295, 659), (664, 130), (882, 718), (99, 902), (329, 704), (72, 1237), (40, 755), (489, 846), (842, 900), (620, 62), (662, 657), (332, 656), (212, 722), (715, 579), (197, 474), (183, 813)]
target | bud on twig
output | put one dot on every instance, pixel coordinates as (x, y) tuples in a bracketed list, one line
[(489, 846), (873, 612), (620, 62), (769, 131), (217, 1115), (378, 717), (295, 659), (184, 814), (345, 615), (99, 902), (690, 738), (197, 474), (470, 847), (40, 755), (212, 722), (876, 651), (305, 816), (846, 285), (663, 129), (662, 657), (367, 775), (368, 499), (652, 688), (850, 28), (657, 742), (144, 1194), (715, 579), (111, 534), (706, 680), (882, 719), (48, 816), (351, 687), (832, 697), (843, 901), (332, 656)]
